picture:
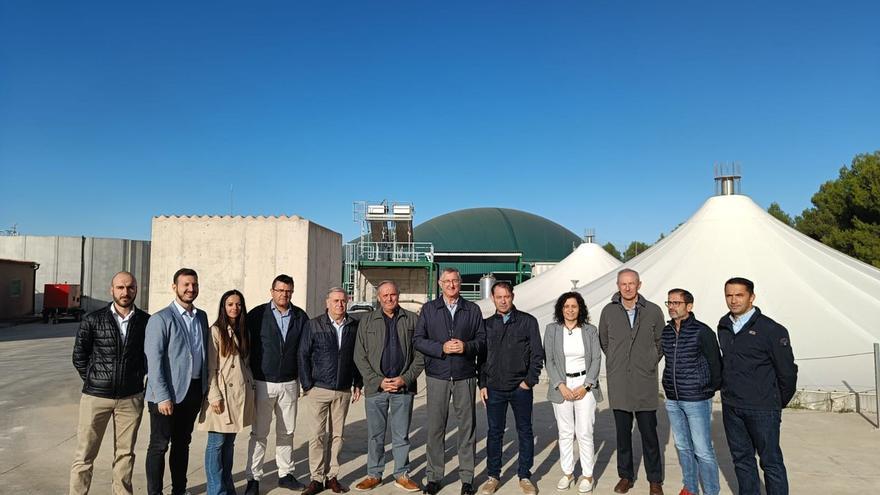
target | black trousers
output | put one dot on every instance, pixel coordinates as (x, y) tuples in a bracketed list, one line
[(175, 429), (647, 421)]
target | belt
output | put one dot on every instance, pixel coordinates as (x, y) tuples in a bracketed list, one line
[(579, 373)]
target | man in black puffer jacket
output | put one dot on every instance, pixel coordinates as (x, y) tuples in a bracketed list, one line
[(108, 353), (691, 376)]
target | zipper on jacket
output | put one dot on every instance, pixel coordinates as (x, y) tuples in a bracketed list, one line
[(675, 363)]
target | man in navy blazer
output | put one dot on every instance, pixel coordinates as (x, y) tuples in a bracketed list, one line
[(176, 346)]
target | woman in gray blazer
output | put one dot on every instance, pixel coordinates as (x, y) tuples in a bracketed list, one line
[(573, 358)]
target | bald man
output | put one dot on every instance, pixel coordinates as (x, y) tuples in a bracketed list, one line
[(108, 353)]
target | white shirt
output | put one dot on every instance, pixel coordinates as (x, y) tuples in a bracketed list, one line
[(452, 306), (194, 336), (338, 327), (573, 349), (121, 322)]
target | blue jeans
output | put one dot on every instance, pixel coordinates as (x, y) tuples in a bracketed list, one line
[(749, 431), (218, 463), (691, 424), (520, 401), (378, 407)]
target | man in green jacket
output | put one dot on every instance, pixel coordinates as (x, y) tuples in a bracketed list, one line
[(389, 364)]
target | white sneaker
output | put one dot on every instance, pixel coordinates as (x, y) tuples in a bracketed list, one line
[(586, 485), (564, 482)]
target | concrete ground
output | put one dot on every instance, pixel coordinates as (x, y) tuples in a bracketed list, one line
[(39, 394)]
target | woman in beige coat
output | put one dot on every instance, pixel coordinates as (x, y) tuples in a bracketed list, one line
[(229, 406)]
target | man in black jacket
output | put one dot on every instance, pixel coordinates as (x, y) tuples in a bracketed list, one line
[(514, 357), (275, 329), (330, 381), (451, 335), (759, 378), (108, 354)]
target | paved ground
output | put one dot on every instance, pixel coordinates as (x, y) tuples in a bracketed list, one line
[(39, 394)]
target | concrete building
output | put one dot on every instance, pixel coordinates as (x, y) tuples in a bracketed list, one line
[(88, 261), (244, 253), (17, 280)]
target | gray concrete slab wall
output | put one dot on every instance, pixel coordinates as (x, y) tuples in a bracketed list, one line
[(244, 253), (412, 283), (89, 261)]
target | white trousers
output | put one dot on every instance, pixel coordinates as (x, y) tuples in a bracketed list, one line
[(280, 399), (575, 419)]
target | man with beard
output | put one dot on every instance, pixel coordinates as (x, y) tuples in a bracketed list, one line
[(175, 346), (108, 354)]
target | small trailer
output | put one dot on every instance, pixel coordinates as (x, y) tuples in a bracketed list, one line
[(61, 301)]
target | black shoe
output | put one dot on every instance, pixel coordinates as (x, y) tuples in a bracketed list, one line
[(289, 482), (432, 488), (467, 489), (253, 488)]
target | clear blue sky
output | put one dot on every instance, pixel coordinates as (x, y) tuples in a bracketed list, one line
[(599, 114)]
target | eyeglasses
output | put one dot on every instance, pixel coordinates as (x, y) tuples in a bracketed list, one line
[(670, 304), (450, 282), (283, 291)]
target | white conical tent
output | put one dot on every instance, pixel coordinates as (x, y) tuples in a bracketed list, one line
[(829, 302), (586, 263)]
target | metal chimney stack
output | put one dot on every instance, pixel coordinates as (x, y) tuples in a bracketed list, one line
[(727, 179)]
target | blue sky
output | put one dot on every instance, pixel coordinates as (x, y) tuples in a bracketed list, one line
[(595, 114)]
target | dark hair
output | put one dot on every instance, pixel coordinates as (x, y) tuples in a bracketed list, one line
[(284, 279), (687, 296), (185, 272), (504, 284), (750, 286), (239, 329), (583, 314)]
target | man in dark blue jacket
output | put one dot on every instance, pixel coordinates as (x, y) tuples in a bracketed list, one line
[(275, 329), (691, 376), (514, 357), (759, 378), (451, 336), (330, 381)]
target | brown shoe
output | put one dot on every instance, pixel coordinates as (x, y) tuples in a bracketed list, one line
[(313, 488), (527, 487), (656, 488), (623, 485), (404, 483), (490, 486), (368, 484), (334, 485)]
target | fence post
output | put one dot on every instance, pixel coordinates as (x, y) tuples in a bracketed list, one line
[(877, 382)]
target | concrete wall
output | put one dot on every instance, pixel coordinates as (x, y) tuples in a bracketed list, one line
[(244, 253), (412, 283), (16, 289), (89, 261)]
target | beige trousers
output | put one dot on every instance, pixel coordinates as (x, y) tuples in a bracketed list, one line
[(327, 411), (94, 414), (279, 399)]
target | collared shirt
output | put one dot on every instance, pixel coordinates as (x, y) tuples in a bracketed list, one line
[(451, 306), (505, 316), (194, 336), (121, 322), (282, 319), (338, 326), (631, 314), (740, 322)]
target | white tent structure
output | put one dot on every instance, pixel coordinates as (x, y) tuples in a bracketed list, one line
[(829, 302), (585, 264)]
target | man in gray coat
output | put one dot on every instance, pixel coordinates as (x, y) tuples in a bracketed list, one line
[(390, 365), (630, 329), (175, 344)]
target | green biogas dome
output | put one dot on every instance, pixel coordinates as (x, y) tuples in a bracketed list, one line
[(502, 241)]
